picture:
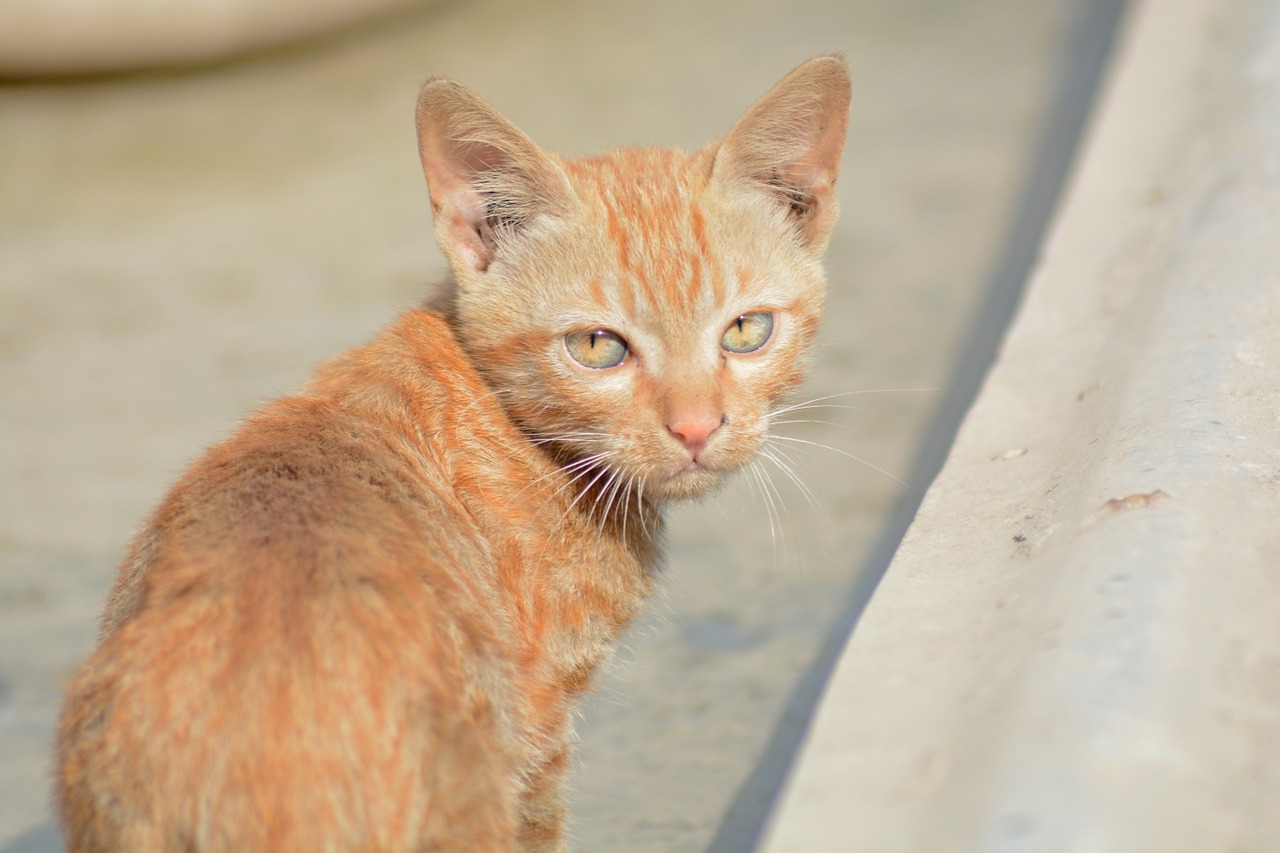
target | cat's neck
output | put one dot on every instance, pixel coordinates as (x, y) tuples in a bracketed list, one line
[(620, 510), (426, 383), (616, 508)]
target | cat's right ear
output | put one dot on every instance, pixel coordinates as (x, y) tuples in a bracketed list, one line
[(486, 178), (789, 144)]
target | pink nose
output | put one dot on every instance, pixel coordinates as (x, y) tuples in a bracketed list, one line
[(694, 432)]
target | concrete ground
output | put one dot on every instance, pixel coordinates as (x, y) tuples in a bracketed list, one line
[(176, 247)]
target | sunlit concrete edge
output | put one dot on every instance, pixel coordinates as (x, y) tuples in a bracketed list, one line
[(1075, 646)]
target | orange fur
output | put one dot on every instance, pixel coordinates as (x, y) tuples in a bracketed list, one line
[(360, 623)]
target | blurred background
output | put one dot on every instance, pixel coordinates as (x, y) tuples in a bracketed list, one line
[(180, 240)]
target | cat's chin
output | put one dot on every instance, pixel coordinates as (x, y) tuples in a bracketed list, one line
[(689, 483)]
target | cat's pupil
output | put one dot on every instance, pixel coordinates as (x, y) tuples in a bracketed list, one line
[(597, 348), (748, 333)]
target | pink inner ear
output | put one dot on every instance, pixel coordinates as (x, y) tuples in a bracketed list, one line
[(791, 141), (458, 223), (463, 141), (469, 244), (453, 171), (480, 168)]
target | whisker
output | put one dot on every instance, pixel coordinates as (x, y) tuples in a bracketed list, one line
[(479, 399), (603, 470), (582, 465), (801, 407), (582, 468), (751, 484), (616, 481), (770, 509), (641, 514), (773, 487), (859, 459), (776, 456), (784, 514), (814, 421), (626, 506), (545, 438), (811, 402)]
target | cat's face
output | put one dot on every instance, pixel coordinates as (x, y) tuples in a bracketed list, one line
[(645, 311), (655, 326)]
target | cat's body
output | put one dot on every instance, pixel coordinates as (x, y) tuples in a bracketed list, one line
[(360, 623)]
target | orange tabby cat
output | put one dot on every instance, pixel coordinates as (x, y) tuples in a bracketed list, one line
[(361, 622)]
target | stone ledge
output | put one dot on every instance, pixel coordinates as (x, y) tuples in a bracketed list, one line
[(1077, 645)]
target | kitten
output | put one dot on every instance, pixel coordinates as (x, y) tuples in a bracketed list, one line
[(362, 621)]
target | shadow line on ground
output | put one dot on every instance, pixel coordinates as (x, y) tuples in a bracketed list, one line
[(1081, 71)]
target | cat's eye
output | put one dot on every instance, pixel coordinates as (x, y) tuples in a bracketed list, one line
[(597, 348), (748, 333)]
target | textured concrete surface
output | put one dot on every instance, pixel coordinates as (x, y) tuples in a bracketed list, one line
[(1075, 648), (175, 248)]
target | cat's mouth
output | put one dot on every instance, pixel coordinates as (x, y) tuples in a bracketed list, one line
[(697, 472), (690, 479), (700, 461)]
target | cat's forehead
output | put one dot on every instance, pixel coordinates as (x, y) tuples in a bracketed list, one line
[(657, 250), (643, 196), (656, 244), (639, 175)]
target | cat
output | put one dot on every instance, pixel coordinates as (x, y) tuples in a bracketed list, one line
[(362, 621)]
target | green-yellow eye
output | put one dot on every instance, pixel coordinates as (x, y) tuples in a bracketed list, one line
[(597, 349), (749, 332)]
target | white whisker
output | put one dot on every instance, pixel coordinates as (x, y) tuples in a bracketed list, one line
[(811, 403), (777, 457), (770, 509), (626, 506), (859, 459), (785, 514), (616, 481), (551, 437), (813, 421), (581, 466), (478, 400), (602, 471)]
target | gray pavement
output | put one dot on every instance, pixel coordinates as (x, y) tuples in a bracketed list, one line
[(176, 247)]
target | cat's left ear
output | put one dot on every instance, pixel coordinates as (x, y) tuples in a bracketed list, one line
[(789, 144), (487, 179)]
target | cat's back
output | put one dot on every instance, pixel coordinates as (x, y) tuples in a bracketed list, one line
[(350, 483), (264, 645)]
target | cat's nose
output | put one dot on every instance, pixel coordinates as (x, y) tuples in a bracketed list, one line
[(695, 432)]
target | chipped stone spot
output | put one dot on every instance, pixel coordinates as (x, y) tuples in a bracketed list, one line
[(1134, 501)]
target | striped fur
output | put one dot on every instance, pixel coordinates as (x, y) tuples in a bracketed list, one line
[(361, 622)]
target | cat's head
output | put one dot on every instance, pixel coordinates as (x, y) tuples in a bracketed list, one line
[(645, 309)]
